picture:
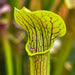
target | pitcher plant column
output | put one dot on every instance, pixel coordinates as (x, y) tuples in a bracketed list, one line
[(43, 28)]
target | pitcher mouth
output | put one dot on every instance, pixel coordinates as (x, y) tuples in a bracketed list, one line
[(37, 53)]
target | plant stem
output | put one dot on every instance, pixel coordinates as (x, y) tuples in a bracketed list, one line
[(64, 52), (40, 64), (7, 50), (18, 64), (18, 59)]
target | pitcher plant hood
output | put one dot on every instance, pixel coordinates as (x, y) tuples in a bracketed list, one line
[(43, 28)]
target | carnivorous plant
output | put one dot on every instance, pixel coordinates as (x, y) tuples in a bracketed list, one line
[(43, 28)]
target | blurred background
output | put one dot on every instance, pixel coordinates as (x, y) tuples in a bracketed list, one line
[(13, 57)]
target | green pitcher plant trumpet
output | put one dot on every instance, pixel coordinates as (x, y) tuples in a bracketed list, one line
[(43, 28)]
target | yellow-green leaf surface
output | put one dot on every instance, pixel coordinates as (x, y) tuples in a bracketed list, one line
[(43, 28)]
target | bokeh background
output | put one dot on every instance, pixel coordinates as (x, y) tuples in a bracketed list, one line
[(13, 57)]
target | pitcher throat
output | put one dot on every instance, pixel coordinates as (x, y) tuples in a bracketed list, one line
[(40, 64)]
